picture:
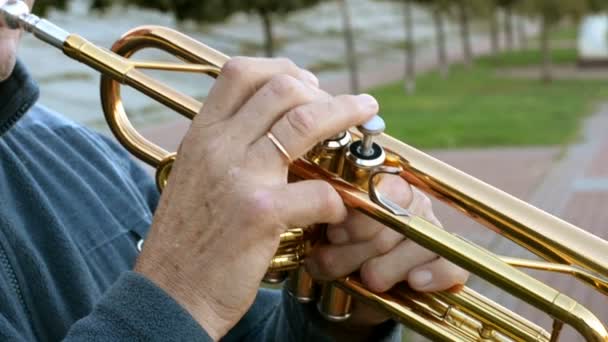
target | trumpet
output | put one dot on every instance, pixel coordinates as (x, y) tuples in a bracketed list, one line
[(352, 162)]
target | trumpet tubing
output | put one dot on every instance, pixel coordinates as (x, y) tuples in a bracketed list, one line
[(351, 162)]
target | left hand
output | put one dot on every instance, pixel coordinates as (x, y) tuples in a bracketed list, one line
[(383, 256)]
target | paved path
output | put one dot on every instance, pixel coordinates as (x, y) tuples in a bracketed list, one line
[(575, 189)]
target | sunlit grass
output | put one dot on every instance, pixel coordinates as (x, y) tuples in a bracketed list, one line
[(480, 107)]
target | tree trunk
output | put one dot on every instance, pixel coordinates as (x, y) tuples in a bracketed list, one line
[(268, 33), (546, 69), (349, 42), (509, 27), (442, 57), (523, 35), (494, 32), (465, 34), (409, 80)]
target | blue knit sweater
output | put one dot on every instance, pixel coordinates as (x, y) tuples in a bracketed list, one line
[(73, 206)]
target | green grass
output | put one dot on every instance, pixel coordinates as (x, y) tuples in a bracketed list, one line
[(527, 58), (478, 108), (565, 33)]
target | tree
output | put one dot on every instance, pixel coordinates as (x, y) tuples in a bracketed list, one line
[(349, 43), (219, 10), (267, 9), (523, 34), (465, 33), (465, 10), (409, 82), (42, 6), (409, 46), (551, 12), (438, 9), (508, 6), (492, 11)]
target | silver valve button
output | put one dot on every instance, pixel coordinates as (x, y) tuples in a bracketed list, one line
[(371, 128)]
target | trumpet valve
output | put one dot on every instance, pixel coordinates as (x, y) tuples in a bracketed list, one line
[(301, 286), (334, 304), (274, 277), (375, 126)]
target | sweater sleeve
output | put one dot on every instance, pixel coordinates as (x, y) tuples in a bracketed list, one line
[(134, 309)]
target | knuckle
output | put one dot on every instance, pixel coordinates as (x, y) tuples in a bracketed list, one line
[(236, 68), (344, 103), (350, 105), (331, 203), (286, 63), (260, 204), (302, 121), (383, 243), (371, 276), (283, 85), (326, 262)]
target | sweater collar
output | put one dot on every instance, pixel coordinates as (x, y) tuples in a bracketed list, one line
[(18, 93)]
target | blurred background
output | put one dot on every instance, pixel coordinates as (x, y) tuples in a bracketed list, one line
[(514, 92)]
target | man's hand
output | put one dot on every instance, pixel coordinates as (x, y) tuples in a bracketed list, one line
[(227, 200), (383, 256)]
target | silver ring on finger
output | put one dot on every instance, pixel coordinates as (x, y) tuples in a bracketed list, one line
[(279, 147)]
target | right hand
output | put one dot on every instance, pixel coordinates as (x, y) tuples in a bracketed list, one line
[(227, 200)]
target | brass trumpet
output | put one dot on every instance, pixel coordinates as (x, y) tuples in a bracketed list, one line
[(351, 162)]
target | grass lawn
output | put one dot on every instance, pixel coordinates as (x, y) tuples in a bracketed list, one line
[(478, 108)]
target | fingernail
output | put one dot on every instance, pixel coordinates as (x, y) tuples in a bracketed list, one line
[(421, 279), (368, 102), (310, 77), (337, 235)]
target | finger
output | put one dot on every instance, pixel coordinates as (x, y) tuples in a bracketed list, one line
[(437, 275), (304, 126), (421, 205), (239, 79), (281, 94), (328, 262), (359, 227), (383, 272), (308, 202)]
